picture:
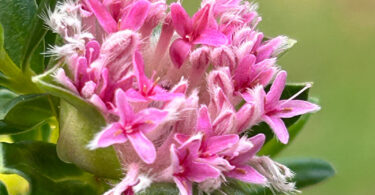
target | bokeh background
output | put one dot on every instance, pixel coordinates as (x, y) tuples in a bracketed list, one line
[(336, 50)]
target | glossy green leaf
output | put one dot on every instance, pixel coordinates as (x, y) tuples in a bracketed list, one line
[(289, 91), (11, 76), (5, 97), (3, 189), (36, 35), (79, 122), (309, 171), (16, 16), (24, 113), (38, 163)]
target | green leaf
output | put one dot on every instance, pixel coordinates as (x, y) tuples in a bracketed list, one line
[(3, 189), (5, 97), (79, 122), (11, 76), (38, 163), (240, 188), (160, 189), (36, 35), (289, 91), (309, 171), (1, 36), (24, 113), (16, 17)]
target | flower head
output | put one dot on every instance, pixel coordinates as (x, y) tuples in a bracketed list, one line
[(178, 117), (272, 109)]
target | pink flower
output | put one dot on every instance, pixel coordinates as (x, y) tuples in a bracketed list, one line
[(239, 157), (193, 31), (187, 166), (131, 126), (132, 19), (272, 109), (147, 90), (249, 74)]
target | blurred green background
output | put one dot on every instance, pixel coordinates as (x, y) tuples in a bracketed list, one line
[(336, 50)]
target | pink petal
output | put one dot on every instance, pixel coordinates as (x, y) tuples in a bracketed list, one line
[(200, 20), (125, 111), (181, 138), (98, 102), (257, 142), (211, 37), (243, 71), (266, 70), (244, 117), (293, 108), (183, 185), (273, 96), (266, 50), (223, 56), (110, 135), (179, 51), (165, 96), (189, 149), (204, 121), (166, 34), (223, 123), (105, 19), (219, 143), (180, 87), (247, 174), (181, 20), (134, 96), (88, 89), (152, 117), (256, 97), (143, 146), (92, 51), (138, 66), (199, 172), (278, 127), (65, 81), (136, 16)]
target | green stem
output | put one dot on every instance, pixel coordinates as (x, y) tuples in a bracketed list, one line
[(16, 80)]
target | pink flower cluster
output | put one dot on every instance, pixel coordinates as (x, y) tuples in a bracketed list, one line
[(169, 84)]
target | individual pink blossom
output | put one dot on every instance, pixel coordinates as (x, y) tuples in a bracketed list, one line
[(239, 157), (147, 89), (187, 166), (248, 73), (193, 31), (131, 126), (133, 19), (272, 109)]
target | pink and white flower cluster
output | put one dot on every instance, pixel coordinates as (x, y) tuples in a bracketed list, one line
[(169, 84)]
